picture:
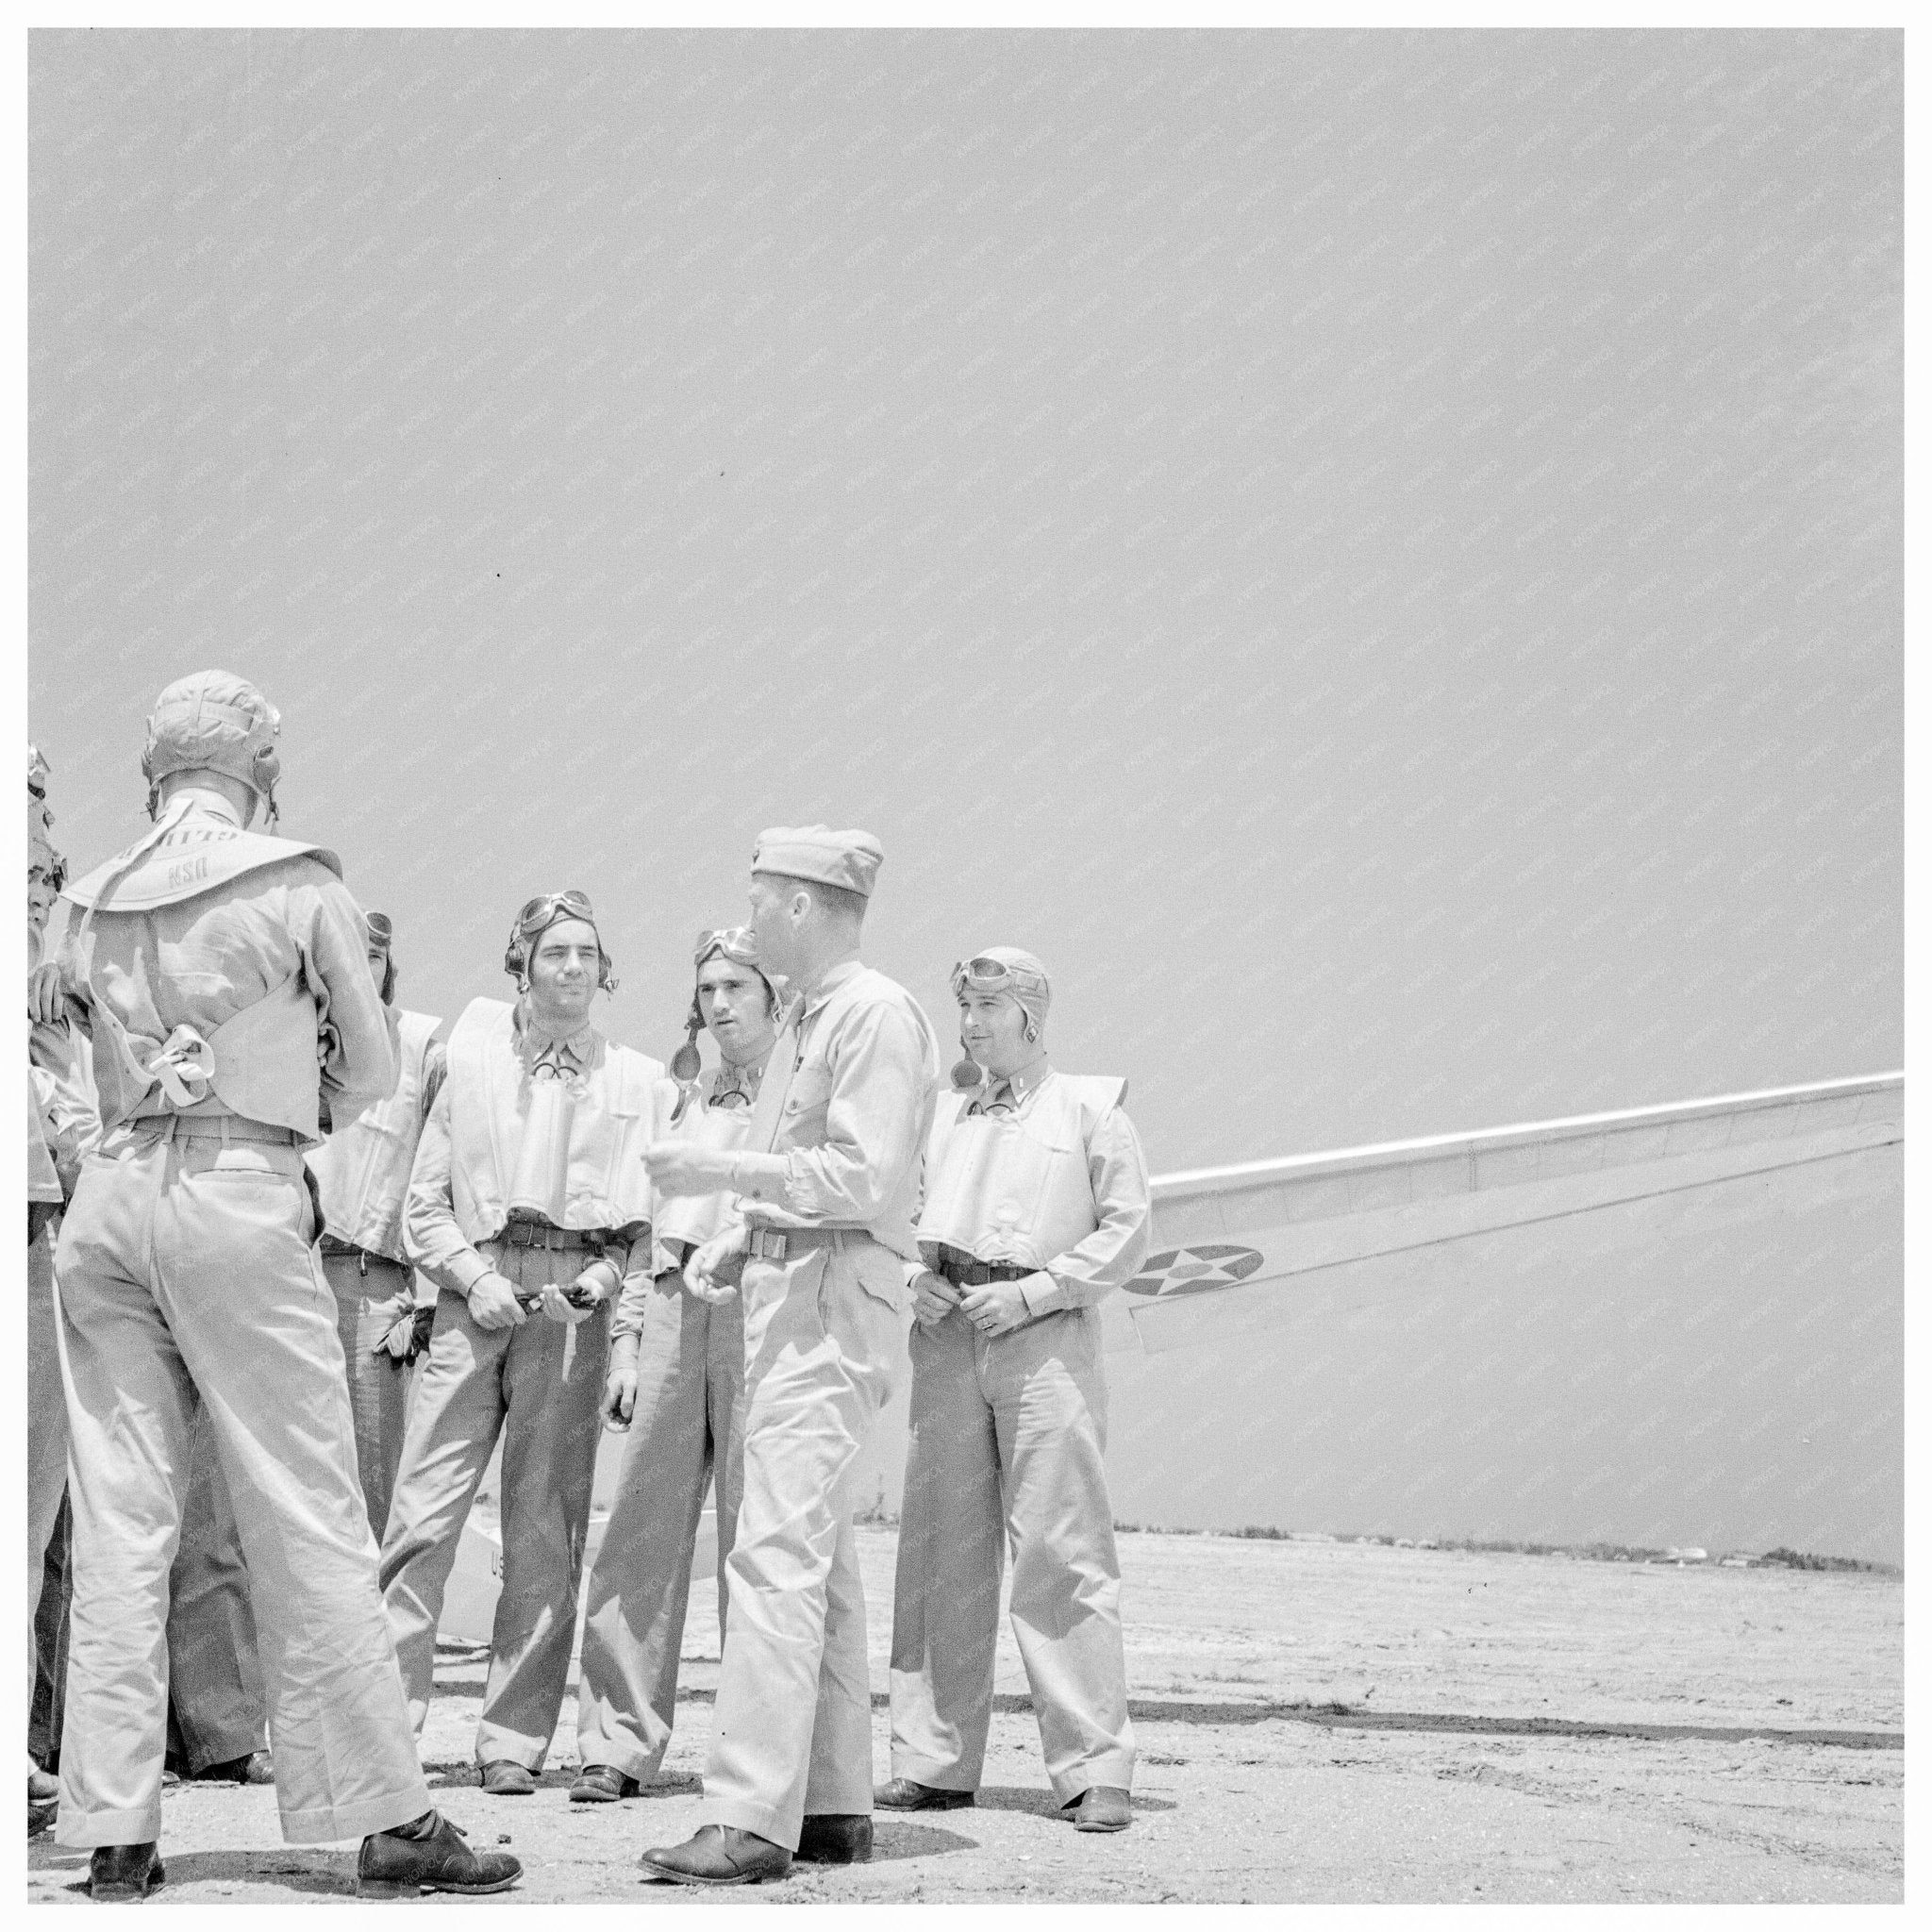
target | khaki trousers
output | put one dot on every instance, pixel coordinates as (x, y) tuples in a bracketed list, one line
[(539, 1389), (378, 1384), (690, 1369), (46, 1433), (215, 1689), (1008, 1442), (792, 1732), (185, 1273)]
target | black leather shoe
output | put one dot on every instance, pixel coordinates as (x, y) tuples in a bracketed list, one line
[(42, 1800), (601, 1783), (504, 1777), (439, 1860), (1100, 1807), (125, 1874), (257, 1767), (719, 1855), (835, 1838), (908, 1794)]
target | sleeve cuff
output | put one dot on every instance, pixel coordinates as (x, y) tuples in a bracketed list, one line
[(1041, 1293), (763, 1175), (463, 1272)]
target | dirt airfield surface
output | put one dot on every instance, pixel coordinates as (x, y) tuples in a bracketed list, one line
[(1317, 1722)]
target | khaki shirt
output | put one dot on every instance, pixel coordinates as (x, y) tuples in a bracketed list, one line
[(847, 1128)]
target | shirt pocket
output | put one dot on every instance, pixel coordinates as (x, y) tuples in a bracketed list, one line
[(806, 1102)]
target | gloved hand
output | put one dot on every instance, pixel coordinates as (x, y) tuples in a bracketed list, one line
[(494, 1304), (405, 1329)]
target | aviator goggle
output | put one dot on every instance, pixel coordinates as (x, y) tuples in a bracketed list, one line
[(981, 974)]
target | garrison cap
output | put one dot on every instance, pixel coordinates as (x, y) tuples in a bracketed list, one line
[(849, 859)]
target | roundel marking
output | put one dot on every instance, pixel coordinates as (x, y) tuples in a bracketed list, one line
[(1194, 1271)]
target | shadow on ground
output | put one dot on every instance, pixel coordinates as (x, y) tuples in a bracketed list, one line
[(897, 1840), (306, 1875), (1348, 1718)]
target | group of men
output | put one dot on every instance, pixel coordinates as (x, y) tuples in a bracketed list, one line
[(292, 1251)]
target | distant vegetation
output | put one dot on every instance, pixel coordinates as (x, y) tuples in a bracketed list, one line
[(1594, 1553)]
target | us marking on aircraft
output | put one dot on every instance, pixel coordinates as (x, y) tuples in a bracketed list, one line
[(1227, 1237)]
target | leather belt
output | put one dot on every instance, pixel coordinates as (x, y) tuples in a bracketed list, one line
[(215, 1127), (542, 1234), (778, 1244), (334, 1246), (963, 1271)]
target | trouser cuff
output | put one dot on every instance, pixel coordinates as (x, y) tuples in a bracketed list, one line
[(643, 1765), (942, 1775), (517, 1746), (1115, 1768), (331, 1823), (84, 1830), (746, 1815)]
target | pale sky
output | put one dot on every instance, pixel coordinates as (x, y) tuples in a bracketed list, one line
[(1378, 556)]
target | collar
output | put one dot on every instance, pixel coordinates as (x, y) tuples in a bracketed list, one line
[(533, 1041), (210, 805), (745, 1079), (835, 977), (1018, 1088)]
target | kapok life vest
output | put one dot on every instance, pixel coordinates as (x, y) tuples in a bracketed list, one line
[(362, 1170), (696, 1218), (571, 1150), (260, 1062), (1014, 1186)]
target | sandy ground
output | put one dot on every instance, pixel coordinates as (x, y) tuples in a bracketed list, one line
[(1316, 1722)]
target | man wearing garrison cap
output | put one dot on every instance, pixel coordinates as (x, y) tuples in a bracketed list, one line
[(829, 1185)]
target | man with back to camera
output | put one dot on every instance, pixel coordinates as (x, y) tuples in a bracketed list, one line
[(828, 1179), (529, 1174), (362, 1174), (1037, 1206), (216, 1702), (677, 1372), (361, 1171), (221, 976)]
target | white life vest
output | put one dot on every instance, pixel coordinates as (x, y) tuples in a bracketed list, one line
[(1015, 1187), (362, 1170), (696, 1218), (260, 1062), (570, 1150)]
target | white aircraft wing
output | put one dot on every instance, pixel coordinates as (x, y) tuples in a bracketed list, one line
[(1225, 1240)]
